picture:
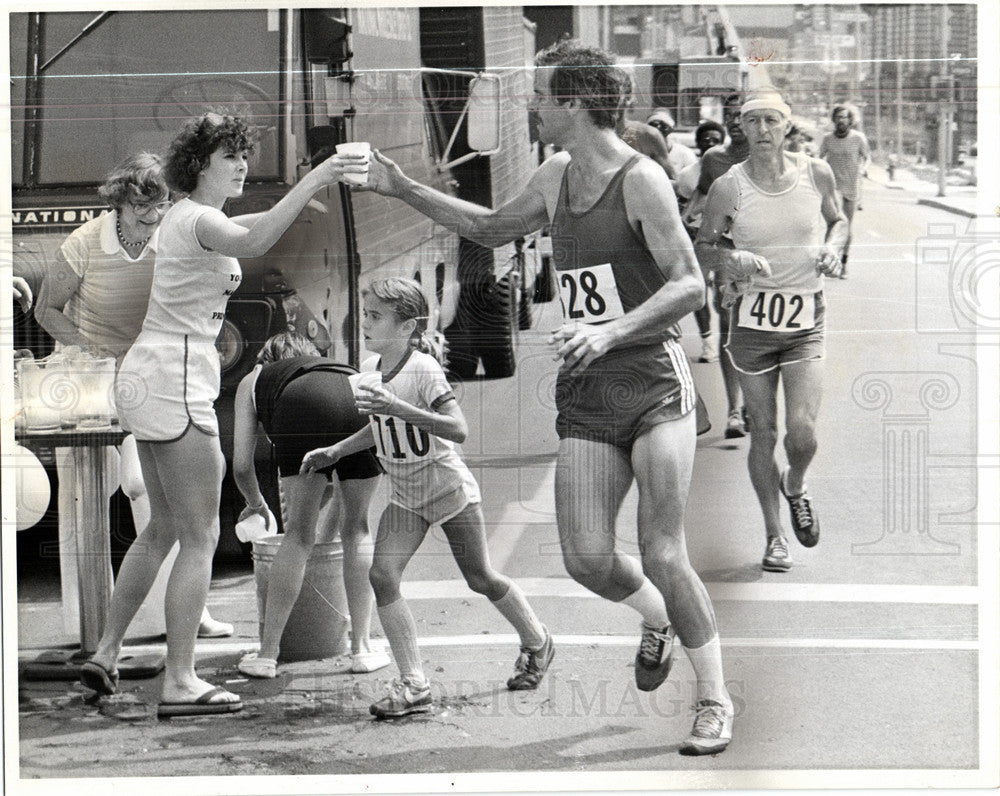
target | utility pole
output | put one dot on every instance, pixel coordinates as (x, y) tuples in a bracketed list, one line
[(944, 115), (877, 63), (899, 91)]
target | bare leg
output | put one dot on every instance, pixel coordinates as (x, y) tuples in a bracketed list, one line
[(760, 393), (849, 205), (140, 566), (400, 533), (466, 534), (302, 497), (592, 479), (803, 385), (135, 489), (358, 552), (730, 376), (662, 460), (189, 472)]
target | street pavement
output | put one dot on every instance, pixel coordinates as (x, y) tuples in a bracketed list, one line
[(866, 664)]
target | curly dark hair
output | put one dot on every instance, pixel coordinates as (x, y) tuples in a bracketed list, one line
[(589, 75), (707, 125), (137, 179), (191, 149)]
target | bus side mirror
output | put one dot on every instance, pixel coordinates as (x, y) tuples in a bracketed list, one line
[(484, 114)]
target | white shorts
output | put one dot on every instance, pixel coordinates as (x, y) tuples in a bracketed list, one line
[(446, 507), (166, 383)]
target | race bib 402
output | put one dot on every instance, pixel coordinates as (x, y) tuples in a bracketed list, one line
[(590, 294), (771, 311)]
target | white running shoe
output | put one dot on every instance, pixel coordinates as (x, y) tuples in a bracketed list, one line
[(402, 700)]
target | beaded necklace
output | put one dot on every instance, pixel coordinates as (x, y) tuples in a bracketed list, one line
[(128, 243)]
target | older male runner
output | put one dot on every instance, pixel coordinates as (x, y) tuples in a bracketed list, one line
[(627, 275), (782, 212)]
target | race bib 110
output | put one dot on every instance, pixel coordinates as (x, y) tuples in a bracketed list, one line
[(771, 311), (590, 294)]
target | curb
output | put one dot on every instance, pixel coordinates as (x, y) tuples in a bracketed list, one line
[(948, 207)]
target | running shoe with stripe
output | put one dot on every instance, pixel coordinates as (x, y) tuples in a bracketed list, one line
[(776, 556), (712, 730), (531, 665), (654, 658), (402, 700), (805, 523), (735, 427)]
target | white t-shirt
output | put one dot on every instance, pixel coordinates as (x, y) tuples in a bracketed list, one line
[(421, 466), (111, 299)]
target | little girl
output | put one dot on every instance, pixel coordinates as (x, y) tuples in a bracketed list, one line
[(417, 423)]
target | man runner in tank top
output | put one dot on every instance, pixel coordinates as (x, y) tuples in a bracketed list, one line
[(846, 150), (782, 212), (624, 393)]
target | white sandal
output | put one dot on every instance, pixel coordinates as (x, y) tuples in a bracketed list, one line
[(252, 665)]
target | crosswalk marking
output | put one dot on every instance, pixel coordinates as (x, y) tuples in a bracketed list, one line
[(739, 592), (480, 640)]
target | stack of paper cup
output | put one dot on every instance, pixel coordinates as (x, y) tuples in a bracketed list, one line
[(356, 148)]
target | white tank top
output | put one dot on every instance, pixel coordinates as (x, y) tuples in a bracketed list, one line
[(787, 228)]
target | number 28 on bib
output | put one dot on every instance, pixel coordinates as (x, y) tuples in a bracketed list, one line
[(590, 294), (771, 311)]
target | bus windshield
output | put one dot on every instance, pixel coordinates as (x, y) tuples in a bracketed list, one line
[(118, 90)]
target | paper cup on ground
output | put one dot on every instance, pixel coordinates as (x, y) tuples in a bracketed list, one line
[(365, 381), (356, 148)]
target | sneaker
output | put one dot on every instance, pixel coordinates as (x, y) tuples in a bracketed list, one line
[(531, 665), (708, 352), (712, 730), (735, 427), (805, 523), (369, 661), (776, 557), (654, 658), (402, 700), (252, 665)]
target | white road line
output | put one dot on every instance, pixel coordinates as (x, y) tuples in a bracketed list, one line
[(744, 592), (738, 592), (480, 640)]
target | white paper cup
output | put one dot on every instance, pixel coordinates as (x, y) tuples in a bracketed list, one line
[(356, 148), (365, 380)]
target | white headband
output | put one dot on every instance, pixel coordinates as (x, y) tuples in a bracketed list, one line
[(767, 102)]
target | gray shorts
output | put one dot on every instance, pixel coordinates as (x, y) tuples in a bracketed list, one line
[(754, 351)]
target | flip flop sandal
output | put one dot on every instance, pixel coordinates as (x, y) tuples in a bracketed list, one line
[(252, 665), (202, 706), (98, 679)]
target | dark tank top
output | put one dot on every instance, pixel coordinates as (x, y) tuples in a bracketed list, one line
[(275, 376), (602, 234)]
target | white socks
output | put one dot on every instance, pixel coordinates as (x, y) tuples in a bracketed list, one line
[(401, 630), (707, 663), (516, 610), (648, 601)]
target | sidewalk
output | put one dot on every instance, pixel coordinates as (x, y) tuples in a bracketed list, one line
[(961, 198)]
